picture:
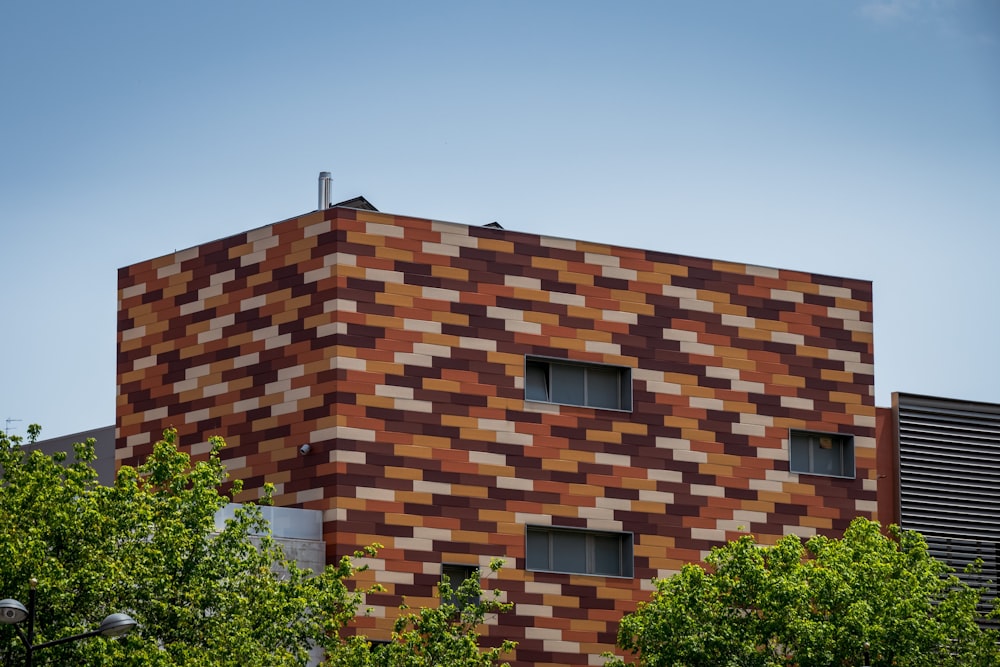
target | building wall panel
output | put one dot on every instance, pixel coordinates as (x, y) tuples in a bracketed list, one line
[(395, 346)]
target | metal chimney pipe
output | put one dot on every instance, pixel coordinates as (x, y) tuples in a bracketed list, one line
[(325, 190)]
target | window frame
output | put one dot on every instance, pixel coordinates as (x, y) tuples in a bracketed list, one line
[(624, 377), (845, 441), (467, 569), (626, 551)]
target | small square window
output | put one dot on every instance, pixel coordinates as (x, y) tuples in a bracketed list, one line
[(578, 551), (456, 574), (815, 453), (574, 383)]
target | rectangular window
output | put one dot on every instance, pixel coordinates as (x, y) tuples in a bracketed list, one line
[(821, 454), (578, 551), (457, 574), (574, 383)]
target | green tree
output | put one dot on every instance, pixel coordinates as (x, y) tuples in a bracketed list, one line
[(825, 603), (447, 635), (148, 545)]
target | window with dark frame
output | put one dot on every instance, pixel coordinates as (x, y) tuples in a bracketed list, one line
[(815, 453), (456, 574), (574, 551), (576, 383)]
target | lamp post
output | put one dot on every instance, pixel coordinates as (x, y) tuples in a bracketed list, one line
[(13, 612)]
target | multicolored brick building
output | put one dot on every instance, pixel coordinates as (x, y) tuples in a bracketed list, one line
[(596, 415)]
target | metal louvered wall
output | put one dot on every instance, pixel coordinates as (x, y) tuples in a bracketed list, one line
[(949, 480)]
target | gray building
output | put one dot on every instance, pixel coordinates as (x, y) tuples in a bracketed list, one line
[(947, 460)]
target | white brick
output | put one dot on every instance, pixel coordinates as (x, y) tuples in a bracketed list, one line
[(278, 341), (561, 646), (317, 275), (306, 496), (144, 362), (543, 633), (167, 271), (253, 258), (789, 338), (555, 242), (530, 610), (766, 485), (749, 429), (830, 290), (414, 543), (614, 503), (246, 404), (698, 348), (722, 372), (441, 294), (698, 304), (739, 321), (440, 249), (600, 347), (134, 290), (619, 273), (259, 234), (603, 458), (515, 438), (680, 292), (487, 458), (297, 394), (384, 276), (392, 391), (222, 278), (185, 385), (620, 316), (748, 387), (706, 403), (843, 314), (340, 259), (496, 424), (802, 531), (380, 229), (762, 271), (315, 230), (660, 475), (664, 497), (515, 483), (372, 493), (797, 403), (477, 344), (348, 456), (710, 534), (522, 281), (413, 406), (521, 326), (427, 326), (567, 299), (786, 295), (440, 488), (411, 359), (690, 455), (763, 420)]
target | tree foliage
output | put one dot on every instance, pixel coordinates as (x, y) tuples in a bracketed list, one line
[(148, 546), (818, 604)]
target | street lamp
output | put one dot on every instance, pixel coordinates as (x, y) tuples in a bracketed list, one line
[(13, 612)]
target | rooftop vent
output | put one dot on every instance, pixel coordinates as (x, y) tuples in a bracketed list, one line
[(325, 190)]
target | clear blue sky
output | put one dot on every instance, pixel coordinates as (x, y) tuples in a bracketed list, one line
[(852, 137)]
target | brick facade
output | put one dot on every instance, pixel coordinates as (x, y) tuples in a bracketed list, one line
[(396, 348)]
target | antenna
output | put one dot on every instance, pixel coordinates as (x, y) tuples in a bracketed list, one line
[(7, 423)]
